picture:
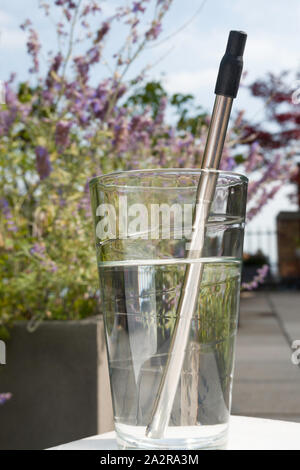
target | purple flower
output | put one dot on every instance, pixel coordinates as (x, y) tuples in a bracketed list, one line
[(254, 157), (154, 31), (230, 164), (62, 134), (9, 222), (52, 266), (57, 61), (102, 32), (161, 110), (7, 118), (46, 7), (4, 397), (137, 6), (258, 279), (90, 8), (85, 205), (26, 24), (5, 207), (43, 164), (82, 67), (67, 14), (94, 55), (69, 3), (86, 10), (121, 135), (33, 48), (38, 249), (60, 29), (165, 5)]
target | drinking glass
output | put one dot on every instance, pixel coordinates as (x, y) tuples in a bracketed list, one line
[(143, 226)]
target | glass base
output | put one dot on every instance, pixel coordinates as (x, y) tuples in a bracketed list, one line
[(213, 437)]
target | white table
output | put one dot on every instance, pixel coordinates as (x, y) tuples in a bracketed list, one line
[(245, 434)]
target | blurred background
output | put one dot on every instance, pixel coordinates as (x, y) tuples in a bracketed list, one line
[(96, 86)]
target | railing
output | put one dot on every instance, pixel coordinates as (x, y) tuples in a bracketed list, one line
[(264, 241)]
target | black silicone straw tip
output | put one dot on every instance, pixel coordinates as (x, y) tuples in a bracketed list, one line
[(231, 66)]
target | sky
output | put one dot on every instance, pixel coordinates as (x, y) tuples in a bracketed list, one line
[(189, 50)]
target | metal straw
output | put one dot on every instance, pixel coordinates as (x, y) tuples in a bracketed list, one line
[(226, 90)]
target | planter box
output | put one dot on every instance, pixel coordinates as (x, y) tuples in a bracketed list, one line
[(288, 229), (58, 376), (249, 271)]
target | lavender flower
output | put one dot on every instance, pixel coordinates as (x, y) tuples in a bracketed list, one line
[(43, 164), (230, 164), (137, 7), (57, 61), (102, 32), (258, 279), (9, 222), (92, 7), (85, 205), (62, 134), (7, 118), (161, 110), (69, 3), (33, 48), (165, 5), (82, 67), (261, 200), (38, 249), (120, 130), (26, 24), (4, 397), (93, 55), (60, 29), (154, 31), (46, 7), (254, 158), (52, 266), (67, 14)]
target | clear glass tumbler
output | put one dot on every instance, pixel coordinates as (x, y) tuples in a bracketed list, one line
[(143, 224)]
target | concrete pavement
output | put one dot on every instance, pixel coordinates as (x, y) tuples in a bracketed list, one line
[(266, 382)]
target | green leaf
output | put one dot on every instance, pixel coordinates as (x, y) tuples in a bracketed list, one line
[(239, 158)]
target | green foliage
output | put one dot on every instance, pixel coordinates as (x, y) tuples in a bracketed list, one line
[(189, 117), (239, 158), (148, 96), (47, 258)]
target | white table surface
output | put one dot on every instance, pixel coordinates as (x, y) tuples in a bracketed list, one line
[(244, 434)]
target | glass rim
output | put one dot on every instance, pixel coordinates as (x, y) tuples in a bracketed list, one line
[(127, 173)]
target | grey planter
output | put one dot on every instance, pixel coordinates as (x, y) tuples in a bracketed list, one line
[(59, 379)]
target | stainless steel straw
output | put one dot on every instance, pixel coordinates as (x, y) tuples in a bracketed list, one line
[(226, 90)]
